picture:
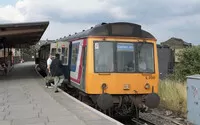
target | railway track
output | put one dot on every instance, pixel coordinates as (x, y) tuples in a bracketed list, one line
[(142, 122), (135, 121)]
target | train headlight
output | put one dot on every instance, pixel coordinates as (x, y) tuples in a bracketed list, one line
[(147, 86)]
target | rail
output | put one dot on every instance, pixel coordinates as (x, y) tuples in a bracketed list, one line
[(141, 121)]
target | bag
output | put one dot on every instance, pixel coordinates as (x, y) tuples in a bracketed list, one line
[(49, 79), (48, 84)]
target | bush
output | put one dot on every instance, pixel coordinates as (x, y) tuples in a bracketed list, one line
[(189, 63)]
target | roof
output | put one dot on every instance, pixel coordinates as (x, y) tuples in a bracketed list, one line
[(176, 42), (19, 35), (112, 29), (195, 76), (46, 42)]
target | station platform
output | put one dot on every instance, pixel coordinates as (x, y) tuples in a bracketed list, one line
[(24, 100)]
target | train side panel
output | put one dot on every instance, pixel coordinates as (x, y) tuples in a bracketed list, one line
[(77, 63), (43, 56)]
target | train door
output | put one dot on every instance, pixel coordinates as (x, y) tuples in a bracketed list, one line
[(76, 71), (64, 46), (64, 52), (53, 50)]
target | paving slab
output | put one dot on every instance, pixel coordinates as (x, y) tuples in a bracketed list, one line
[(4, 122), (30, 121), (24, 100)]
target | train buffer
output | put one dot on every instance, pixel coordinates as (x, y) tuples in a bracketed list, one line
[(24, 100)]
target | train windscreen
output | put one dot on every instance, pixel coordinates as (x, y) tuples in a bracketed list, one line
[(123, 57)]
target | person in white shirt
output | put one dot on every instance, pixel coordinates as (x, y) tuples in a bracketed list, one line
[(48, 77), (49, 61)]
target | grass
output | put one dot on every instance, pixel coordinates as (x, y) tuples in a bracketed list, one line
[(173, 96)]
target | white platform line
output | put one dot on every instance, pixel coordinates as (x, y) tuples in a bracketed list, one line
[(90, 108)]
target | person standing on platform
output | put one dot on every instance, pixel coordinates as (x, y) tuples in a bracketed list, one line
[(48, 72), (49, 61), (57, 72)]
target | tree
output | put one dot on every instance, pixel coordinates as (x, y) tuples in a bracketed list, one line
[(189, 63), (28, 52)]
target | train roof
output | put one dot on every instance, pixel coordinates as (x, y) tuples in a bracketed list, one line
[(46, 42), (112, 29)]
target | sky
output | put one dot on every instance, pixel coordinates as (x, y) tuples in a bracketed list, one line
[(164, 19)]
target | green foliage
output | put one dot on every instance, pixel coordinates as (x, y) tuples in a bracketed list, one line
[(189, 63), (28, 51)]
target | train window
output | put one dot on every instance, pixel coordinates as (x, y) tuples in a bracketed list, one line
[(63, 51), (104, 57), (43, 54), (62, 59), (75, 50), (64, 56), (59, 50), (53, 51), (125, 57), (146, 57)]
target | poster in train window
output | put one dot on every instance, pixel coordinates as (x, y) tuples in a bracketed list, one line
[(126, 57), (75, 50)]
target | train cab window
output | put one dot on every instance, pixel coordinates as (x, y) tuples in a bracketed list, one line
[(146, 57), (104, 57), (125, 57)]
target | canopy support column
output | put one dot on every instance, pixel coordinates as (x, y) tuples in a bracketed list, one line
[(4, 51)]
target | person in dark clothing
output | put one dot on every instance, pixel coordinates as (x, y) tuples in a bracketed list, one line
[(57, 72)]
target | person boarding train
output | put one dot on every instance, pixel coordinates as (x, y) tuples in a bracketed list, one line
[(48, 72), (57, 72)]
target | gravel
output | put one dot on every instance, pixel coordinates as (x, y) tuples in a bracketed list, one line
[(159, 117), (154, 119)]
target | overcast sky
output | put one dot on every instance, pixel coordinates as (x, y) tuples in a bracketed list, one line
[(172, 18)]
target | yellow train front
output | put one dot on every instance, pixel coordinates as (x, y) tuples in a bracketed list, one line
[(115, 65)]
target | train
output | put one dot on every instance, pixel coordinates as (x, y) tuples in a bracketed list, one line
[(113, 65), (166, 61), (53, 47)]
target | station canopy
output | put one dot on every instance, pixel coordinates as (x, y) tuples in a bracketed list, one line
[(22, 35)]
